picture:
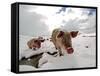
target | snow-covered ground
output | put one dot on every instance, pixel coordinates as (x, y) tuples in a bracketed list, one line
[(84, 54)]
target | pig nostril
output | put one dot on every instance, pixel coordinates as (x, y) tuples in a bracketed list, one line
[(70, 50)]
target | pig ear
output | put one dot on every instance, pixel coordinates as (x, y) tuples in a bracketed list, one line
[(74, 33), (61, 33)]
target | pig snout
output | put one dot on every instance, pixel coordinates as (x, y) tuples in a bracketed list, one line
[(70, 50)]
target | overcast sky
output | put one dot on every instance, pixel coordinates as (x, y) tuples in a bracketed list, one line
[(41, 20)]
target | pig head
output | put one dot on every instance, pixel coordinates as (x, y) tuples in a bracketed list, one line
[(62, 40), (35, 43)]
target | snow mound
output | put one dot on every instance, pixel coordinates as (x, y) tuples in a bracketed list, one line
[(26, 68)]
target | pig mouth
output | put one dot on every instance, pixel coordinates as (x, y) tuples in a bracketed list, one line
[(69, 50)]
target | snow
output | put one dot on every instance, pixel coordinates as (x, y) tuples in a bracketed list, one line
[(26, 68), (83, 56)]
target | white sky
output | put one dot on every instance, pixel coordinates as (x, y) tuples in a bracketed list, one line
[(55, 20), (70, 19)]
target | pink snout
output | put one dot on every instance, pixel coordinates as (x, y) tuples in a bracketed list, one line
[(70, 50)]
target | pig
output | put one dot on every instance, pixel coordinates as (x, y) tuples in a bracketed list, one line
[(62, 40), (35, 43)]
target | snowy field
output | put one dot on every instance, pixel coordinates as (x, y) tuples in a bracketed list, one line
[(84, 54)]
